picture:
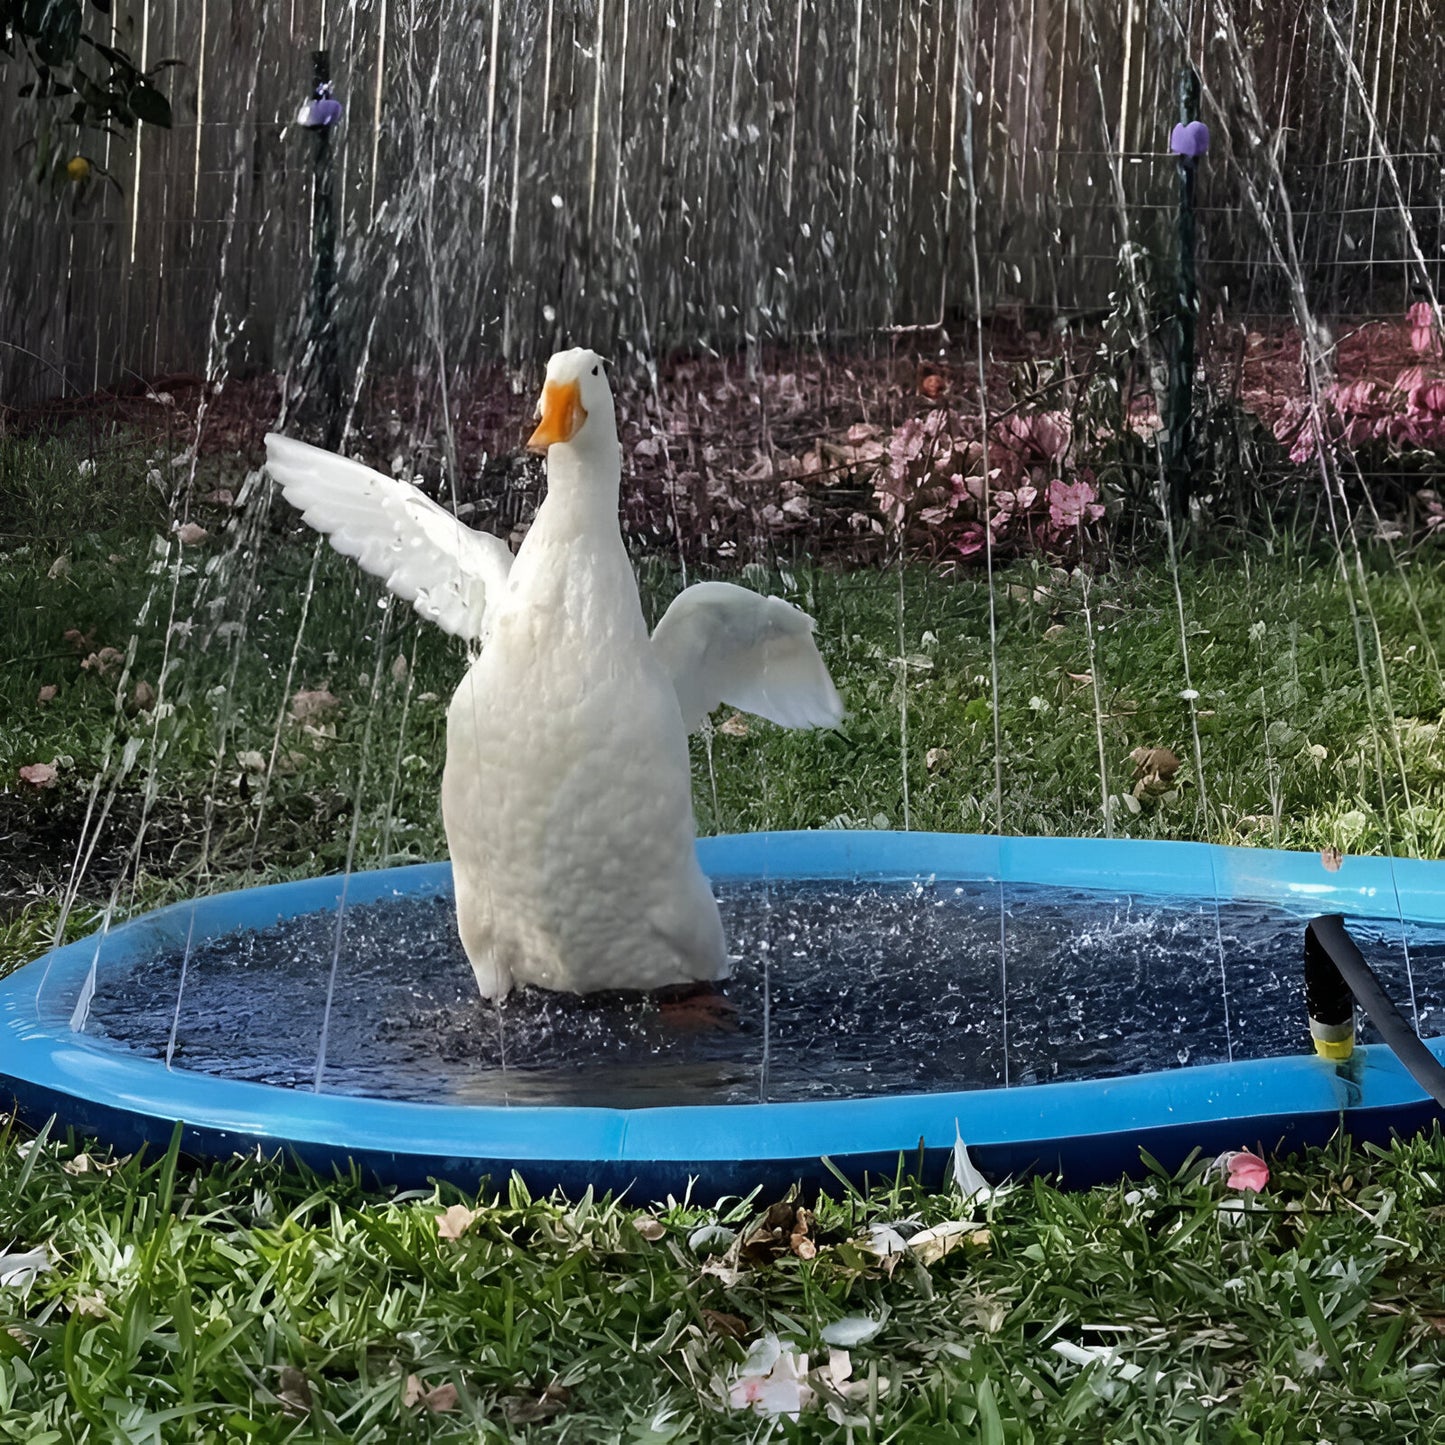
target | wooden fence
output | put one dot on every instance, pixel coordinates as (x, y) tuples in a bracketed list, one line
[(652, 173)]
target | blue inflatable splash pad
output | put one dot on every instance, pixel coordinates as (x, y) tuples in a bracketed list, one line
[(1060, 1003)]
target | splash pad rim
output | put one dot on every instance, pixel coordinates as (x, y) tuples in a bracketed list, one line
[(1088, 1130)]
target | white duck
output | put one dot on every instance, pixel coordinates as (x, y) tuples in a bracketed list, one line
[(567, 789)]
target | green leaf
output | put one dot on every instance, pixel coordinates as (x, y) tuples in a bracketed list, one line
[(55, 24), (148, 104)]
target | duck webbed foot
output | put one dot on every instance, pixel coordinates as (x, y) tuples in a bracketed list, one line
[(694, 1007)]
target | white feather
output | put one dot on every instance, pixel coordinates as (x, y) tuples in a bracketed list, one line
[(449, 572), (721, 643)]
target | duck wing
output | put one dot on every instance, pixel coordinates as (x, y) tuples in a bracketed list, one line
[(721, 643), (444, 568)]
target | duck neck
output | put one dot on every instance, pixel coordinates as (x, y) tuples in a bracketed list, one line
[(584, 482)]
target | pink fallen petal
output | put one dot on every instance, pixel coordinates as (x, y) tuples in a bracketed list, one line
[(1246, 1171), (38, 775), (47, 693), (191, 533)]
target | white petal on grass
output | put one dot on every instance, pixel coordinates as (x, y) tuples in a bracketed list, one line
[(966, 1178), (710, 1239), (885, 1240), (928, 1246), (1106, 1355), (762, 1356), (18, 1271), (851, 1330), (773, 1380)]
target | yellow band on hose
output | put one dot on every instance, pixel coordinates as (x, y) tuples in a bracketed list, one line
[(1335, 1049)]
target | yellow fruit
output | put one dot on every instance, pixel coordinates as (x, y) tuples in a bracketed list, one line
[(77, 168)]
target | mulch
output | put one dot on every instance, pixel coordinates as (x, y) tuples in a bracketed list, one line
[(731, 458)]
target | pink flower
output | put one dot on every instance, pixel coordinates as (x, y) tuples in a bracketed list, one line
[(1244, 1170), (970, 541), (1045, 433), (1050, 431), (1365, 397), (1072, 504), (1429, 397), (1424, 330)]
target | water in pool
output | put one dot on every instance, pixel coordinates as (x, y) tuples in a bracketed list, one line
[(839, 990)]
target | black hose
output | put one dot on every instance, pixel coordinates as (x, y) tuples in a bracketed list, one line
[(1336, 975)]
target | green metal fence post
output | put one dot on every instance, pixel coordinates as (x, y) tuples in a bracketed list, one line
[(1179, 403), (325, 364)]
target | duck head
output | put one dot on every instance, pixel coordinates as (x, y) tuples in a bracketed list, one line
[(575, 411)]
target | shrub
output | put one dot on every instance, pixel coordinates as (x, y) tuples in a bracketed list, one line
[(932, 488)]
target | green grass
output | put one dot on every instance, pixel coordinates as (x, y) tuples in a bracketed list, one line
[(206, 1290), (241, 1302), (1300, 743)]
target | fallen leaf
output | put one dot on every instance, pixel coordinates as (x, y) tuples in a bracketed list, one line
[(80, 641), (522, 1411), (456, 1221), (736, 726), (190, 534), (400, 668), (143, 696), (936, 760), (933, 386), (221, 497), (1080, 677), (928, 1246), (295, 1391), (438, 1400), (1331, 858), (38, 775), (47, 693), (1154, 762), (59, 568), (649, 1228), (308, 704), (84, 1164), (104, 662), (785, 1228), (724, 1325), (722, 1267)]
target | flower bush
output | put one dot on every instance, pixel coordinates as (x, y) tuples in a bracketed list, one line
[(1404, 415), (939, 488)]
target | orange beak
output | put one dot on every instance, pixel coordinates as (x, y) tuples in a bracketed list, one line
[(562, 415)]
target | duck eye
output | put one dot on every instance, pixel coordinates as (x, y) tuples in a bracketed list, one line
[(596, 370)]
